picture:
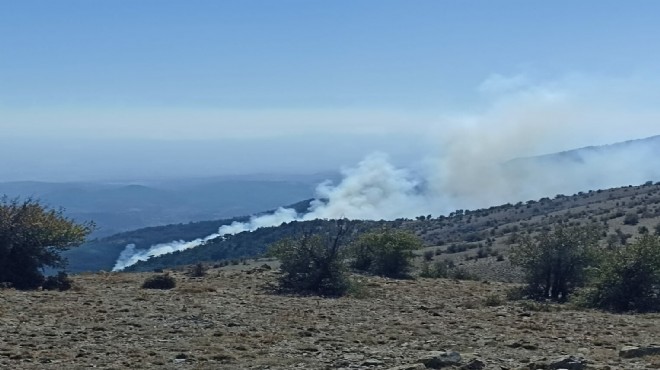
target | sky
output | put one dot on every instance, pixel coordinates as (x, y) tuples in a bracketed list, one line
[(118, 89)]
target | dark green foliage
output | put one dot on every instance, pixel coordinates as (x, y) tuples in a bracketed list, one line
[(101, 254), (313, 264), (555, 264), (629, 278), (32, 237), (385, 253), (631, 219), (164, 281), (59, 282)]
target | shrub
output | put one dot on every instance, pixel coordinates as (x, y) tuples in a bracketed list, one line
[(59, 282), (164, 281), (428, 256), (197, 270), (493, 300), (436, 270), (460, 273), (32, 236), (556, 263), (629, 278), (631, 219), (386, 253), (312, 264)]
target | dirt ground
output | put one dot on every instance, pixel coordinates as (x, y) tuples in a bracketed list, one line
[(227, 320)]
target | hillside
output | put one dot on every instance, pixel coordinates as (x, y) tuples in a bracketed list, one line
[(470, 237), (229, 320), (102, 253)]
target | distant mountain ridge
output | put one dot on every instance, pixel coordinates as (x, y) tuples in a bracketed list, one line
[(577, 155)]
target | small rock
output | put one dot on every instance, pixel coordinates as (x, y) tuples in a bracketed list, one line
[(474, 364), (568, 363), (440, 359), (634, 351), (372, 362), (409, 367)]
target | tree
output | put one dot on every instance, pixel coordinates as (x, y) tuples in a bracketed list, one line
[(313, 263), (629, 278), (385, 253), (32, 236), (556, 262)]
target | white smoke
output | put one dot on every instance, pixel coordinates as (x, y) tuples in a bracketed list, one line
[(477, 163), (130, 256)]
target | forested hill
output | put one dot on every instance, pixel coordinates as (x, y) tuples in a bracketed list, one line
[(102, 253)]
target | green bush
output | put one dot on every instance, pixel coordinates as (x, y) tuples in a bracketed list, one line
[(312, 264), (437, 270), (629, 278), (32, 237), (386, 253), (556, 263), (164, 281)]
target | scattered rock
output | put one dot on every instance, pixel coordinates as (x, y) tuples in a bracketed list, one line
[(474, 364), (440, 359), (569, 363), (372, 362), (409, 367), (634, 351), (561, 363)]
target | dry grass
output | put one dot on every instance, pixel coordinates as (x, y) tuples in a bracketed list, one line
[(227, 321)]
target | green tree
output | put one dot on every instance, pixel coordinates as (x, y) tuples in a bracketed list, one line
[(556, 262), (386, 253), (629, 278), (313, 264), (32, 236)]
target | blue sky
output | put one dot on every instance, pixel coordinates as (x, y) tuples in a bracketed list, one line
[(113, 70)]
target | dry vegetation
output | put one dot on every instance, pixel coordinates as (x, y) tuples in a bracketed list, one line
[(228, 319), (480, 240)]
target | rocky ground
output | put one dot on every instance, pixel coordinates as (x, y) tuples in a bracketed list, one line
[(228, 320)]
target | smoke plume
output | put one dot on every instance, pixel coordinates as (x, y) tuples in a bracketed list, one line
[(480, 160)]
